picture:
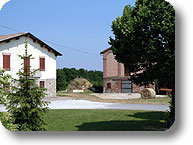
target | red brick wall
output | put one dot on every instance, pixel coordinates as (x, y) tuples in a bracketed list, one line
[(104, 67), (115, 85), (112, 71), (111, 68)]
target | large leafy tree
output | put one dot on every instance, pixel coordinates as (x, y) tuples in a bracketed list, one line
[(61, 83), (145, 42)]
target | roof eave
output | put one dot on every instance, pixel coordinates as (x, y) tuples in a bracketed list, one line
[(105, 50), (28, 34)]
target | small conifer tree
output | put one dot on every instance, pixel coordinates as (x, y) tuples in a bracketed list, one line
[(3, 81), (6, 118), (25, 98)]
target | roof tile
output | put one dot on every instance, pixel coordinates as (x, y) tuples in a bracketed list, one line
[(5, 37), (8, 37)]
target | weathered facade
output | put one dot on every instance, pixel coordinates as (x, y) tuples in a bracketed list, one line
[(115, 78), (44, 56)]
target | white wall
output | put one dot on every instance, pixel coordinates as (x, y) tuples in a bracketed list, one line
[(16, 47)]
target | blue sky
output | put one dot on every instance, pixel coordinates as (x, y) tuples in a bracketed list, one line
[(78, 24)]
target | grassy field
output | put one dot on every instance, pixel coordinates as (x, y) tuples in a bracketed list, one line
[(88, 96), (105, 120)]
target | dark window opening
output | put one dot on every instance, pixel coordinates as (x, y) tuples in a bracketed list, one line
[(108, 85), (42, 85), (6, 62)]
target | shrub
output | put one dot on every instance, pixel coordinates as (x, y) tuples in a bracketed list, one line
[(7, 121)]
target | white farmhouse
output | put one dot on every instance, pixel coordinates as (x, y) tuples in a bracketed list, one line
[(44, 56)]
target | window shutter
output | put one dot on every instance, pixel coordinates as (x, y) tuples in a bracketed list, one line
[(27, 65), (42, 64), (6, 62)]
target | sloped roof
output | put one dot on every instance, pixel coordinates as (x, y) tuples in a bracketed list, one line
[(7, 38), (105, 50)]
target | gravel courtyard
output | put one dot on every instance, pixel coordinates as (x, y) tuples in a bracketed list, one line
[(85, 104), (69, 103), (121, 96)]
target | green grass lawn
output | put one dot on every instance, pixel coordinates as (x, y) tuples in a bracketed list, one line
[(105, 120)]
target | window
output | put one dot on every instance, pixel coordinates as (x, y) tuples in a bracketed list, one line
[(42, 64), (27, 65), (108, 85), (6, 62), (42, 84)]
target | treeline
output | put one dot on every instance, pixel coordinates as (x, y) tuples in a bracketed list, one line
[(66, 75)]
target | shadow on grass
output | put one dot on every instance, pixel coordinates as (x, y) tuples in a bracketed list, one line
[(142, 121)]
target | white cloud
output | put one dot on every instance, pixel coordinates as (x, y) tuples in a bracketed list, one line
[(3, 2)]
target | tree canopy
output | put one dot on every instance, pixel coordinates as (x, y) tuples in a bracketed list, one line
[(145, 41)]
